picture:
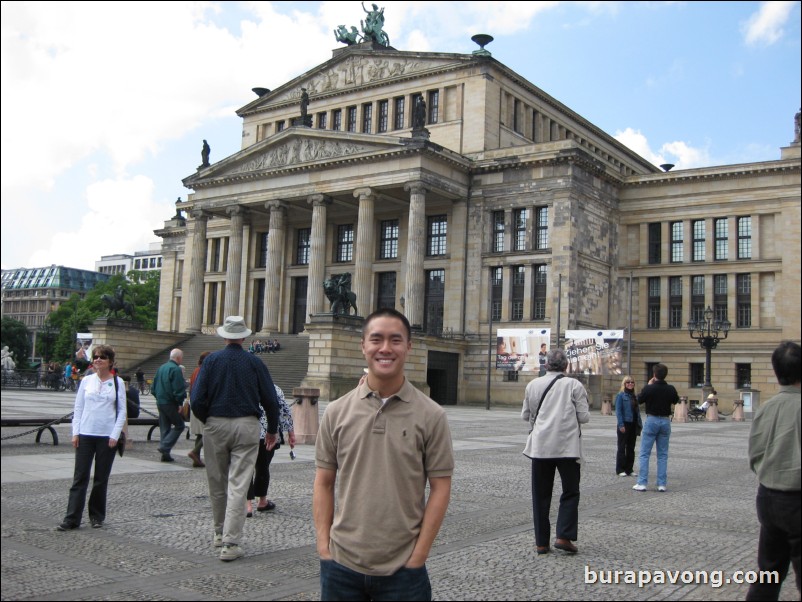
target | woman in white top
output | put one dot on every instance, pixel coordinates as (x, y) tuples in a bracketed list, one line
[(97, 420)]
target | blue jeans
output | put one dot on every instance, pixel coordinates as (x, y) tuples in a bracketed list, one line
[(171, 425), (656, 429), (338, 582)]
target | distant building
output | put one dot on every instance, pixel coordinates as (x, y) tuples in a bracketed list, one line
[(122, 263), (31, 294)]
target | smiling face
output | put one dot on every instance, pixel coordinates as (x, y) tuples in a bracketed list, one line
[(385, 346)]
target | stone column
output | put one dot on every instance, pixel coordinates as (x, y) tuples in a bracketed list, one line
[(712, 410), (365, 249), (197, 270), (234, 272), (416, 250), (274, 264), (681, 409), (317, 254), (738, 410)]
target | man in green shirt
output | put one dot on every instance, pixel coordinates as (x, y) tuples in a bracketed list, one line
[(774, 456), (169, 388)]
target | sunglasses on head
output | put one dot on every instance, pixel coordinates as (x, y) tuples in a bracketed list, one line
[(100, 357)]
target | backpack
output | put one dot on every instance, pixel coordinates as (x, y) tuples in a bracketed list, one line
[(132, 405)]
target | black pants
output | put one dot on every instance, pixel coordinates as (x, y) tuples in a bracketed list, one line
[(90, 449), (542, 486), (779, 516), (260, 480), (625, 456)]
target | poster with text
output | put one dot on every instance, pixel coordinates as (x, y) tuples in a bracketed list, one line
[(594, 351), (522, 349)]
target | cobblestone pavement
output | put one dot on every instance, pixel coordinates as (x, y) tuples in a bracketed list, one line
[(157, 541)]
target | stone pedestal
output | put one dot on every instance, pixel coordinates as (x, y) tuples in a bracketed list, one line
[(738, 411), (306, 415), (607, 407), (681, 409), (712, 411)]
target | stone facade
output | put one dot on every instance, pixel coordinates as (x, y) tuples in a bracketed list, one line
[(503, 182)]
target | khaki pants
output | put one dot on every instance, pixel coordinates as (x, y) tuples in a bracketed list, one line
[(231, 448)]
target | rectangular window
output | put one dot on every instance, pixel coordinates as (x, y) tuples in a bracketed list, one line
[(743, 287), (345, 243), (743, 376), (350, 119), (698, 227), (388, 244), (521, 218), (498, 231), (436, 233), (337, 120), (434, 106), (675, 302), (676, 242), (497, 283), (384, 114), (721, 227), (302, 246), (261, 258), (655, 243), (367, 118), (517, 292), (744, 238), (654, 303), (541, 228), (280, 126), (697, 376), (386, 297), (399, 113), (539, 293), (434, 302), (720, 297), (697, 298), (321, 121), (511, 376)]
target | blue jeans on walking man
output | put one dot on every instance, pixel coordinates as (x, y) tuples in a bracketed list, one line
[(656, 429), (171, 425), (338, 582)]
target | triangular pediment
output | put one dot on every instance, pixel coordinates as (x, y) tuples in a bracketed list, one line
[(353, 68), (297, 148)]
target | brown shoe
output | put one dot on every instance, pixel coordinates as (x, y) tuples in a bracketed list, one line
[(565, 546), (196, 461), (543, 549)]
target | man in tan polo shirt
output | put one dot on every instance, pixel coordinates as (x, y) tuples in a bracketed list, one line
[(385, 440)]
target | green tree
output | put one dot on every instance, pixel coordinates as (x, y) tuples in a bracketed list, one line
[(15, 334)]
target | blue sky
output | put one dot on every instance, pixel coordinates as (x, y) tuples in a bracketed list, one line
[(105, 105)]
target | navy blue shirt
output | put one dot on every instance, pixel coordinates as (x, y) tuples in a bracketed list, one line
[(233, 383)]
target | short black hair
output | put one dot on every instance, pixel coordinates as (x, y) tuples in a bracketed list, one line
[(787, 363), (660, 371), (387, 312)]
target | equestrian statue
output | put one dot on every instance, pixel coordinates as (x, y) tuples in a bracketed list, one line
[(338, 291)]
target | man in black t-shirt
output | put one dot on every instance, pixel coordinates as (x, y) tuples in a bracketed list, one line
[(657, 396)]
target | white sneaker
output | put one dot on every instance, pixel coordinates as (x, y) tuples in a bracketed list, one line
[(622, 474), (661, 488), (231, 551), (639, 487), (218, 540)]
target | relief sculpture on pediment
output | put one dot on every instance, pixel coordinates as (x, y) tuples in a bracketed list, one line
[(302, 150)]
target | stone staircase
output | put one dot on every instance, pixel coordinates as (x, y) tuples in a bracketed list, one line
[(288, 367)]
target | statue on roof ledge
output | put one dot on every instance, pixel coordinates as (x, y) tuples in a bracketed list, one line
[(372, 26), (341, 34)]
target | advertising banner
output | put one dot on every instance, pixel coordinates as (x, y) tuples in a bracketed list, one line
[(522, 349), (594, 351)]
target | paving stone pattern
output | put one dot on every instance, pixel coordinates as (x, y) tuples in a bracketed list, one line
[(157, 541)]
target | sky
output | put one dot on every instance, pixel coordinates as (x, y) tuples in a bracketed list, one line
[(105, 105)]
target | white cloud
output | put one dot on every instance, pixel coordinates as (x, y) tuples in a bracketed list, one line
[(766, 26), (681, 154), (120, 219)]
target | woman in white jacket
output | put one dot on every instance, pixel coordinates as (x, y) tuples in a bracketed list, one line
[(555, 406), (97, 420)]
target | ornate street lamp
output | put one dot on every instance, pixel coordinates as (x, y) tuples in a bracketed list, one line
[(708, 332)]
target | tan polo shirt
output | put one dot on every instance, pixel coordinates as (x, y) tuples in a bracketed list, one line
[(383, 457)]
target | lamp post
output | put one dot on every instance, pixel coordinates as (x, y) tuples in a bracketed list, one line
[(708, 332)]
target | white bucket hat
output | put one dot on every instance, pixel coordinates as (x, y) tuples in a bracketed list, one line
[(234, 328)]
